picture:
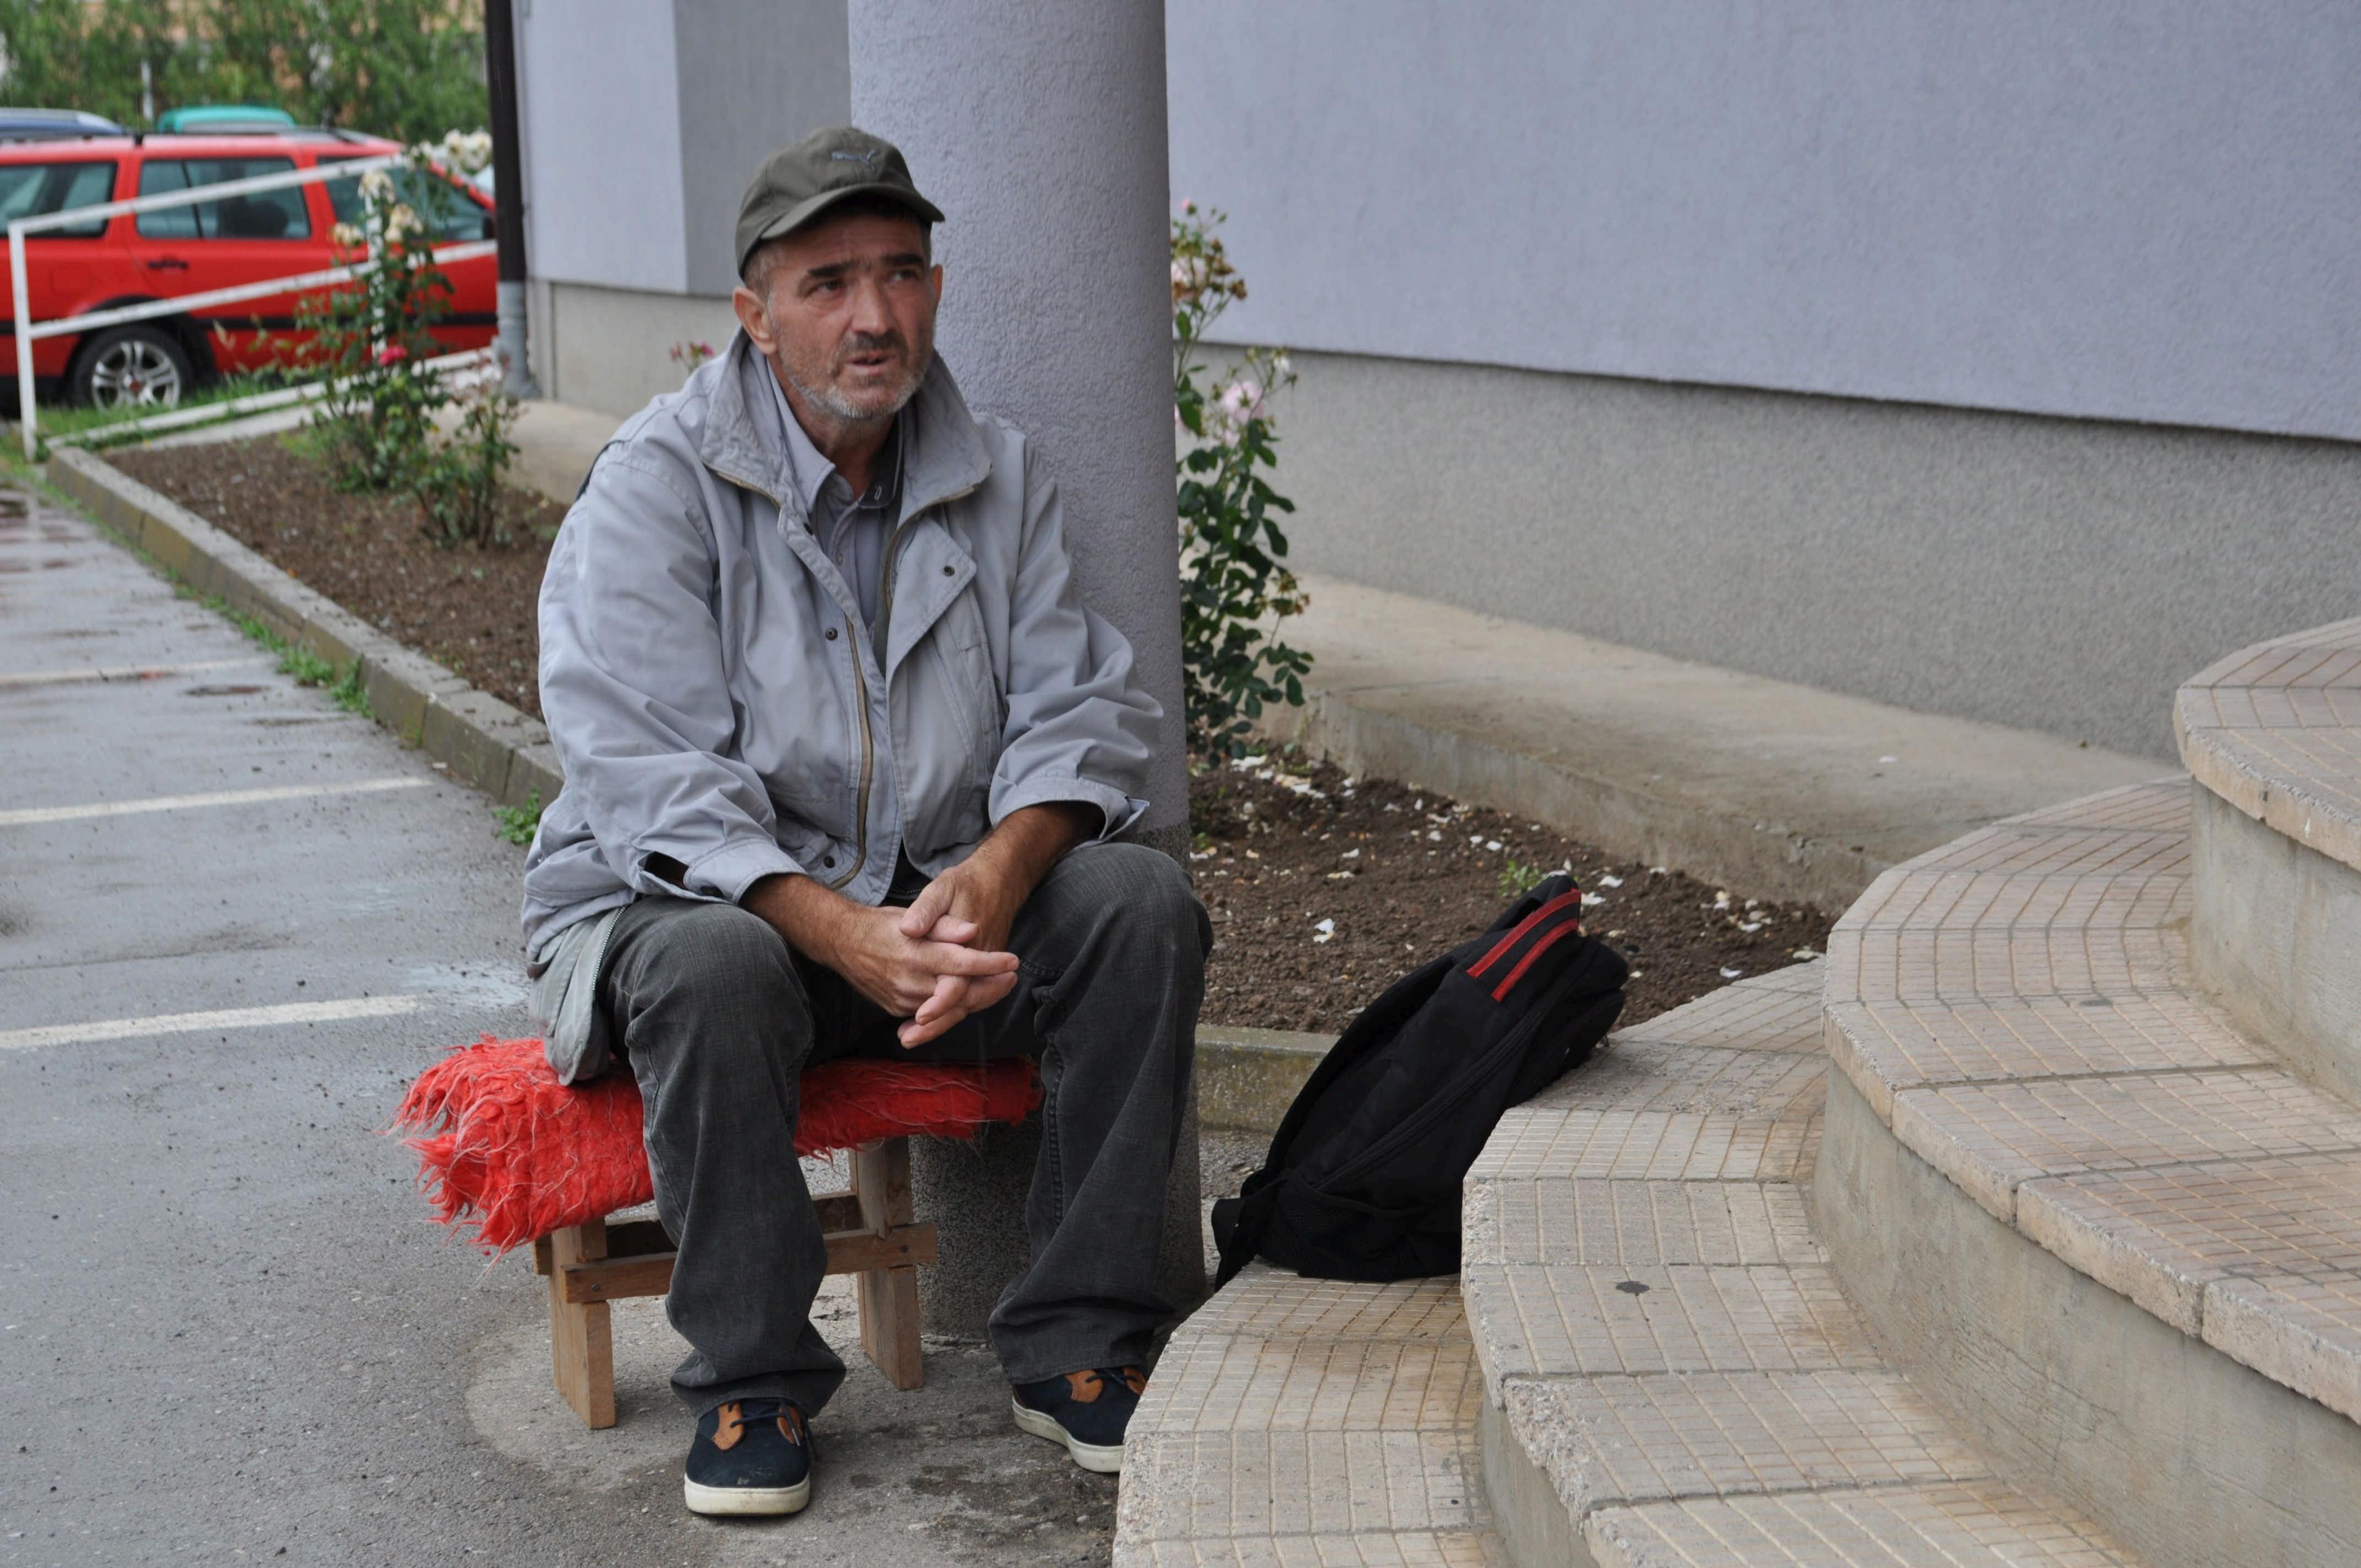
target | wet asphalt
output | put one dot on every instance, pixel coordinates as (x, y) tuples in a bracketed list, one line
[(229, 1333)]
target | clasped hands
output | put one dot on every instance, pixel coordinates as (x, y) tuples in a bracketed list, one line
[(944, 957)]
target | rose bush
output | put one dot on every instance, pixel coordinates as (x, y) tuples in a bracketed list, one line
[(373, 339), (1236, 589)]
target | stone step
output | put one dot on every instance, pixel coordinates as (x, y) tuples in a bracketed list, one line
[(2272, 736), (2019, 1034), (1315, 1422), (1979, 1523), (2123, 1129), (1673, 1374)]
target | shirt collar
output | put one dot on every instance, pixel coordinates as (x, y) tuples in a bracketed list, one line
[(810, 471)]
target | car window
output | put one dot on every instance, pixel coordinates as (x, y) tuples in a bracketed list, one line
[(450, 212), (28, 190), (259, 214)]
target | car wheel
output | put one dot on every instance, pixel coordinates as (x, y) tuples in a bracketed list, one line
[(130, 367)]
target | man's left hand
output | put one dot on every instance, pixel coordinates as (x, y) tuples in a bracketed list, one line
[(975, 904)]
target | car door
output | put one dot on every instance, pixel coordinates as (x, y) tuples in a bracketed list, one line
[(68, 271), (222, 244)]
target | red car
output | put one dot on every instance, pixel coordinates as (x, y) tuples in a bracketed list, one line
[(138, 256)]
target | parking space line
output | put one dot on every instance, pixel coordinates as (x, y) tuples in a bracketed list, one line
[(29, 815), (123, 673), (225, 1018)]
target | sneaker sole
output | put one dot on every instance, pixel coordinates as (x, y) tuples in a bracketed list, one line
[(1107, 1461), (746, 1501)]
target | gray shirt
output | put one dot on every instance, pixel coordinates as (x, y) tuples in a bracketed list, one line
[(853, 530)]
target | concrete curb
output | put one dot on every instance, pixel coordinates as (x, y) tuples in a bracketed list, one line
[(480, 739), (1246, 1077)]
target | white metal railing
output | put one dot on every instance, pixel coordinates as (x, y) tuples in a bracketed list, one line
[(458, 364), (27, 333)]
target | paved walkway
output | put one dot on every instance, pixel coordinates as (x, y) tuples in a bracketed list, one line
[(1769, 786), (234, 921)]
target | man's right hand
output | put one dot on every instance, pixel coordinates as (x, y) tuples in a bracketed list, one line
[(900, 973), (868, 948)]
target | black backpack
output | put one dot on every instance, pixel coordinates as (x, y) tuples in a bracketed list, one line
[(1362, 1182)]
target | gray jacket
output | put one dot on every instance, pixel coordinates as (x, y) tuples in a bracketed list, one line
[(712, 698)]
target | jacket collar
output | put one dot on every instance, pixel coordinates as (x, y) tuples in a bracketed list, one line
[(943, 454)]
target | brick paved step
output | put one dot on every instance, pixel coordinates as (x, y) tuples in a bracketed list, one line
[(2034, 1095), (1672, 1373), (2272, 736), (1984, 1523), (1314, 1422)]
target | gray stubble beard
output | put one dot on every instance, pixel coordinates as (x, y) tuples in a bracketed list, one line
[(828, 400)]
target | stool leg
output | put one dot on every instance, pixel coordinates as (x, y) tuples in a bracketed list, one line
[(888, 1296), (581, 1339)]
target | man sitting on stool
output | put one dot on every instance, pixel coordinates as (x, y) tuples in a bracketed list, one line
[(843, 750)]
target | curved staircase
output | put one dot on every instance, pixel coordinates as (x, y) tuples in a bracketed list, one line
[(2059, 1264)]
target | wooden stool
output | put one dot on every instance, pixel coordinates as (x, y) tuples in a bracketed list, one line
[(870, 1232)]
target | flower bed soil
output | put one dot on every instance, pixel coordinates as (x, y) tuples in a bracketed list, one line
[(1403, 874), (475, 610)]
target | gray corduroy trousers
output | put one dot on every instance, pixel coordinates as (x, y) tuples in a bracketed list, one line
[(717, 1016)]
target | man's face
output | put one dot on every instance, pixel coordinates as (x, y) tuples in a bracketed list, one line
[(847, 315)]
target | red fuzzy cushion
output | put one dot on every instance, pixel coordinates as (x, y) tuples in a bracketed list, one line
[(509, 1148)]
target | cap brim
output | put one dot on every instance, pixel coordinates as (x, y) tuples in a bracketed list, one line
[(806, 211)]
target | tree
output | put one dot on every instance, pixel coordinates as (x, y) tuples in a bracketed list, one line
[(409, 70)]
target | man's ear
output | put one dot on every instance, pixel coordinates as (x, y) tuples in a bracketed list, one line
[(938, 281), (755, 317)]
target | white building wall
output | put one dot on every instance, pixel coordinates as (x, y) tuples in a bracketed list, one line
[(2122, 209), (600, 117)]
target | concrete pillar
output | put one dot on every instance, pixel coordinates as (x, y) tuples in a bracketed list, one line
[(1037, 126)]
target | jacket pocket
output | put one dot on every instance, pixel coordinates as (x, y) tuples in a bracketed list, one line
[(946, 739)]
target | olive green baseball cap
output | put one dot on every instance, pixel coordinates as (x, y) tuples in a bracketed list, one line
[(796, 184)]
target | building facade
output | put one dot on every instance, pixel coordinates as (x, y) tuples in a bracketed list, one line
[(2003, 363)]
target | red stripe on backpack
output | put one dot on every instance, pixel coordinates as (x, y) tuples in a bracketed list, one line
[(1524, 927), (1517, 973)]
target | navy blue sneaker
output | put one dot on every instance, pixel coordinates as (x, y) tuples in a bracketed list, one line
[(750, 1457), (1088, 1412)]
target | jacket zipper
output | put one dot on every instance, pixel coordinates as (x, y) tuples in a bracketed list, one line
[(861, 686), (868, 768), (893, 551), (860, 679)]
